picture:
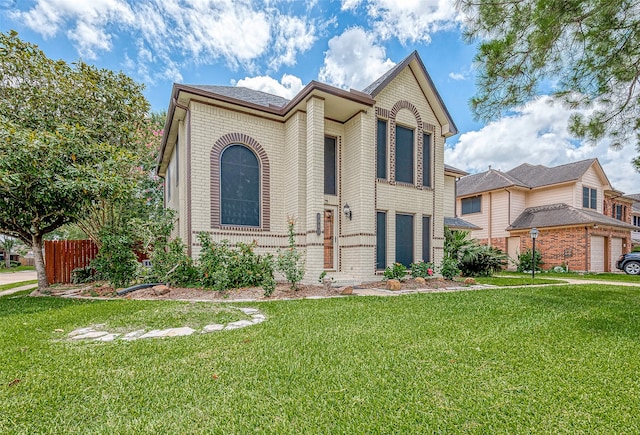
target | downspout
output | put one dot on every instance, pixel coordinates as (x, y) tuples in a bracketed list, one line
[(489, 232), (587, 255)]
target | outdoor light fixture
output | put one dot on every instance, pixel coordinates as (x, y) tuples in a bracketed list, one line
[(347, 211), (534, 235)]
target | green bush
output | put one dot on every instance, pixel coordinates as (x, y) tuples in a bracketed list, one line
[(422, 269), (449, 268), (524, 263), (81, 275), (289, 262), (222, 267), (396, 271), (116, 261), (170, 264), (482, 260)]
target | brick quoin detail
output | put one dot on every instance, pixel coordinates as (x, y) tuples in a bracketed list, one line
[(404, 104), (218, 147)]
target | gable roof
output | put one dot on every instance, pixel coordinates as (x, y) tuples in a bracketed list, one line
[(527, 176), (456, 223), (414, 62), (561, 215), (244, 94)]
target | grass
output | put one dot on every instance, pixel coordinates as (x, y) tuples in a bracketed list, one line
[(561, 359), (17, 284), (16, 269), (607, 276), (508, 281)]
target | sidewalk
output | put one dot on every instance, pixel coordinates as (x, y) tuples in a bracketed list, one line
[(11, 277)]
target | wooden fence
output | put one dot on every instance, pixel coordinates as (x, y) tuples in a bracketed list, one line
[(62, 256)]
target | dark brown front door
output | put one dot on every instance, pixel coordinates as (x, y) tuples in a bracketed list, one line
[(329, 240)]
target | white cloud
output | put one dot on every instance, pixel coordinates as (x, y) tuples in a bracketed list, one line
[(292, 35), (287, 87), (457, 76), (354, 60), (411, 20), (85, 22), (198, 31), (537, 134), (348, 5)]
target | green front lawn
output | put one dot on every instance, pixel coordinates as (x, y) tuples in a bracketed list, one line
[(608, 276), (561, 359), (514, 281), (17, 284), (16, 269)]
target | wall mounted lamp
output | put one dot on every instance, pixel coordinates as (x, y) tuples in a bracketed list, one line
[(347, 211)]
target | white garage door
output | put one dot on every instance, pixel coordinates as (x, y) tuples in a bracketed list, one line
[(616, 251), (513, 249), (597, 254)]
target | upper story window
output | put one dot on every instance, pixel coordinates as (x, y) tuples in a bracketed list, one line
[(381, 149), (404, 155), (426, 160), (636, 221), (329, 166), (589, 198), (618, 211), (239, 187), (472, 205)]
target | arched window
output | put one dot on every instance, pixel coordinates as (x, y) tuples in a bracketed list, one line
[(239, 187)]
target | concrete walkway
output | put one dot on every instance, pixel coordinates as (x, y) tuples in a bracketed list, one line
[(12, 277)]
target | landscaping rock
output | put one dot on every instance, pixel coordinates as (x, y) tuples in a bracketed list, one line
[(348, 290), (420, 280), (238, 324), (133, 335), (393, 284), (212, 328), (160, 290), (90, 335), (326, 284)]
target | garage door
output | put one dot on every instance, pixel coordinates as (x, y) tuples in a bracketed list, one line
[(513, 249), (616, 251), (597, 254)]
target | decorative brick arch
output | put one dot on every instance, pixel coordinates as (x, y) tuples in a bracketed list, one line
[(404, 104), (263, 161)]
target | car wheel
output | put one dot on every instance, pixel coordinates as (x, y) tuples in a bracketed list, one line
[(632, 268)]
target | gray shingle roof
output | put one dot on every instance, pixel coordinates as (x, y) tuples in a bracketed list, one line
[(244, 94), (525, 175), (485, 181), (556, 215), (456, 223)]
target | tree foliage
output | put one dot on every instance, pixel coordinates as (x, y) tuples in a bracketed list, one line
[(69, 136), (587, 50)]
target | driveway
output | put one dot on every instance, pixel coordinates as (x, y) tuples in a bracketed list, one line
[(11, 277)]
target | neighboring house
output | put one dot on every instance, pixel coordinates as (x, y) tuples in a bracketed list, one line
[(361, 172), (583, 222), (451, 218), (635, 219)]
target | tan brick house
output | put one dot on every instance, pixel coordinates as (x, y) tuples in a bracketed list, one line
[(583, 222), (362, 172)]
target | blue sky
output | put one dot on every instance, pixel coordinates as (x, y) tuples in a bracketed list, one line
[(278, 46)]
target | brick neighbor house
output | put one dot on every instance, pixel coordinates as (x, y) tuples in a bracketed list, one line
[(583, 222), (361, 172)]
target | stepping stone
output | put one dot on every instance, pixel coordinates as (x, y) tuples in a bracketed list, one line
[(133, 335), (249, 311), (90, 335), (108, 337), (212, 328), (238, 324), (171, 332), (80, 331)]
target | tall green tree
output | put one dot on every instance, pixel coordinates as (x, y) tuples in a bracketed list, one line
[(69, 137), (587, 51)]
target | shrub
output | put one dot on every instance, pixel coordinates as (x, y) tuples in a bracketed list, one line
[(525, 262), (222, 267), (81, 275), (482, 260), (116, 261), (449, 268), (170, 264), (289, 261), (396, 271), (422, 269)]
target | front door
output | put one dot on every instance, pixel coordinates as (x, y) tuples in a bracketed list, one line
[(329, 239)]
